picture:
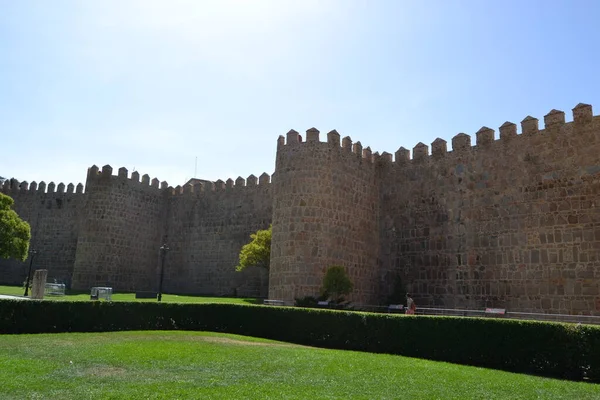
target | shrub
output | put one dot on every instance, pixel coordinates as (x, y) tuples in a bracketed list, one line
[(544, 348), (336, 283)]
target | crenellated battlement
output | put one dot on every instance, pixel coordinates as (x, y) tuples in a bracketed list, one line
[(220, 186), (554, 122), (201, 188), (96, 175), (13, 186), (293, 139)]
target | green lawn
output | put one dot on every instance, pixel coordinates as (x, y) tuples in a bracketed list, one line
[(195, 365), (167, 298)]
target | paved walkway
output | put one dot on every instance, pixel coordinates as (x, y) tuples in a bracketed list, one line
[(4, 296)]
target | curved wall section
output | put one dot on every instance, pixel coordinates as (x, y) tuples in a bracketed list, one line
[(120, 235), (325, 207)]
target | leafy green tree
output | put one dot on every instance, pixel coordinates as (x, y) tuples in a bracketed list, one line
[(336, 283), (257, 253), (15, 233)]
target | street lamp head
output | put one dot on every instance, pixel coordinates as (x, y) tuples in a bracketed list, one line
[(164, 247), (32, 251)]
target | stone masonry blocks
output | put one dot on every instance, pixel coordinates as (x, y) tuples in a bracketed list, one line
[(508, 223)]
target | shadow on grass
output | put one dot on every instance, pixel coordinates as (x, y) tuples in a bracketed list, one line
[(70, 292), (253, 301)]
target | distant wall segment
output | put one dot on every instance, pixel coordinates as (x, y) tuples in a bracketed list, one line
[(52, 213), (208, 223)]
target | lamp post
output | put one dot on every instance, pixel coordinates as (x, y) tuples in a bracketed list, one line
[(163, 252), (32, 254)]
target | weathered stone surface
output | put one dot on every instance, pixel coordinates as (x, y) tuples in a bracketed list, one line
[(510, 223), (53, 219), (39, 284), (511, 227), (325, 213), (110, 235)]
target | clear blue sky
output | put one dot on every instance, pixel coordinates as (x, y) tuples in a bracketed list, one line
[(152, 85)]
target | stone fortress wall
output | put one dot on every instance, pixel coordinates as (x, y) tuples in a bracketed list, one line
[(120, 231), (512, 222), (207, 226), (508, 222), (111, 234), (52, 212), (325, 212)]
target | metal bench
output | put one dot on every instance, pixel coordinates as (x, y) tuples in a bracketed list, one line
[(98, 293), (54, 289)]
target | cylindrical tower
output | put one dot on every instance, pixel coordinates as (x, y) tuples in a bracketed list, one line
[(325, 212), (120, 232)]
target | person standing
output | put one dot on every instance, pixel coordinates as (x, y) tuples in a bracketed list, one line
[(410, 305)]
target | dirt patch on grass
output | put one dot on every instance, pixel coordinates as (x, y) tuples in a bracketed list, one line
[(210, 339), (225, 340), (202, 338)]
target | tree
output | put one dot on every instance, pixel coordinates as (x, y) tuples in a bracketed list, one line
[(257, 253), (15, 233), (336, 283)]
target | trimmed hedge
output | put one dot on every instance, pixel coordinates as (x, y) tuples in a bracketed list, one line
[(543, 348)]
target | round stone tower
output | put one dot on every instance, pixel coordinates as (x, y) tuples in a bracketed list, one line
[(325, 212), (119, 232)]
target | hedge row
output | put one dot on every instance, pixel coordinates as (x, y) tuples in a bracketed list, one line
[(543, 348)]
